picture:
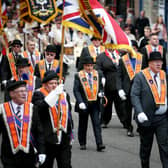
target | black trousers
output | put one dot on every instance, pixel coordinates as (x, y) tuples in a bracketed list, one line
[(93, 111), (113, 97), (60, 152), (160, 130), (127, 113)]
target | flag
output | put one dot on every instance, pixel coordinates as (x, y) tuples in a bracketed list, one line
[(72, 17), (24, 14), (111, 31), (3, 15)]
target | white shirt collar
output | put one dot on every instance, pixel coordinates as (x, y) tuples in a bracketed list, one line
[(14, 105)]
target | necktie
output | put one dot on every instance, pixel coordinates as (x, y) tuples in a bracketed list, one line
[(18, 112), (155, 76), (90, 79), (155, 49), (97, 51), (32, 60), (49, 66)]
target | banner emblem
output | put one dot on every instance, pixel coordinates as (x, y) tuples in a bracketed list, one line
[(42, 11)]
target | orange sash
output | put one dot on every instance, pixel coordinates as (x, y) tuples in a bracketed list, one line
[(93, 52), (128, 65), (12, 65), (18, 142), (149, 49), (158, 99), (42, 67), (91, 94), (37, 54), (54, 112)]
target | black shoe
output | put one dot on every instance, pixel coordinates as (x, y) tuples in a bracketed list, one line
[(83, 147), (104, 125), (100, 147), (130, 134)]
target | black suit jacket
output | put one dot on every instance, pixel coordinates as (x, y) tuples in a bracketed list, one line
[(80, 94), (5, 72), (105, 65), (142, 99), (50, 136), (22, 157), (146, 57)]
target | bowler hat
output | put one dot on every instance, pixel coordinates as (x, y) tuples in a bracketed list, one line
[(95, 38), (13, 84), (155, 55), (22, 62), (16, 42), (51, 48), (49, 75), (87, 60)]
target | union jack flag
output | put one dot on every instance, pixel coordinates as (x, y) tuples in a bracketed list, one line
[(72, 17)]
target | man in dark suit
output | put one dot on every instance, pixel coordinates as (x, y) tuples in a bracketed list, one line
[(149, 99), (92, 50), (129, 65), (57, 125), (48, 63), (20, 147), (14, 55), (87, 89), (23, 74), (153, 46), (5, 72), (107, 63)]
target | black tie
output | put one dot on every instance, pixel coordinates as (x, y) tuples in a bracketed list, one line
[(90, 79), (32, 60), (155, 76), (18, 112), (49, 66)]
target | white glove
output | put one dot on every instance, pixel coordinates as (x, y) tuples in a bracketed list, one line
[(53, 96), (122, 94), (51, 34), (101, 94), (142, 117), (41, 158), (103, 80), (4, 82), (82, 106), (59, 89)]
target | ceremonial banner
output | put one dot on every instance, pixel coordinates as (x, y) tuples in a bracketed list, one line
[(42, 11), (72, 17), (97, 15), (24, 14)]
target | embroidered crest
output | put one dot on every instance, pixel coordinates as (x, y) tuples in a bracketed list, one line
[(42, 11)]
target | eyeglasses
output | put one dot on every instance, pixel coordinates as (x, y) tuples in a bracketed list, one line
[(16, 46)]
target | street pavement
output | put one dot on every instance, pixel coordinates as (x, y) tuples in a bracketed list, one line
[(121, 151)]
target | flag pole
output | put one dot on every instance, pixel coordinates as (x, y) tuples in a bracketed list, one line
[(61, 71)]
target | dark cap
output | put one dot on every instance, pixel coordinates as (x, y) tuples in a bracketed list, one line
[(155, 56), (134, 43), (22, 62), (87, 60), (51, 48), (16, 42), (13, 84), (49, 75)]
